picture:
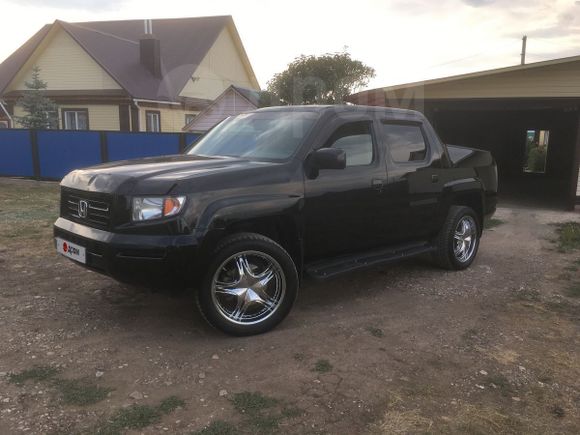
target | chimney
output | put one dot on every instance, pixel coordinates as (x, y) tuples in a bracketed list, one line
[(150, 50)]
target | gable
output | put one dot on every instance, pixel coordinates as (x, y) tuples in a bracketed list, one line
[(221, 67), (228, 104), (64, 65), (560, 80)]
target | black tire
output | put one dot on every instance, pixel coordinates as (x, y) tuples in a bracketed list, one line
[(258, 247), (445, 256)]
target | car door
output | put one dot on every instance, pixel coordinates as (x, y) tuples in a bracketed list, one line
[(340, 204), (412, 199)]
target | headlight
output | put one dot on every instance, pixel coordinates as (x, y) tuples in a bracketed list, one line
[(145, 209)]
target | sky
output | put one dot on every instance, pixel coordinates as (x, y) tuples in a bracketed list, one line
[(403, 40)]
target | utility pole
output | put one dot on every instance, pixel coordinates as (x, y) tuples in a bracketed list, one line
[(523, 54)]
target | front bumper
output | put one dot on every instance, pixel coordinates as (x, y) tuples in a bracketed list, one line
[(164, 262)]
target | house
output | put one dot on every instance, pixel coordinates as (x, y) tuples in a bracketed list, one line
[(527, 115), (233, 101), (152, 75)]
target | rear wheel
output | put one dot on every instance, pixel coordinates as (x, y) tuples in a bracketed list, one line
[(458, 240), (250, 285)]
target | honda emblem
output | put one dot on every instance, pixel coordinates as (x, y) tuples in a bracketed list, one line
[(83, 208)]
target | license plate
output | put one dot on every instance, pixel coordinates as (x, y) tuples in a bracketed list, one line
[(71, 250)]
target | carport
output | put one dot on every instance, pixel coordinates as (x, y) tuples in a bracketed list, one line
[(526, 115)]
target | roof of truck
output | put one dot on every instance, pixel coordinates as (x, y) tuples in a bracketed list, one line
[(339, 108)]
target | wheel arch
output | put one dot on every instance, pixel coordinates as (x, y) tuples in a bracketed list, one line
[(468, 193), (275, 218)]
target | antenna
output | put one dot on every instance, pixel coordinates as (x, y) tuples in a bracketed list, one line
[(523, 54)]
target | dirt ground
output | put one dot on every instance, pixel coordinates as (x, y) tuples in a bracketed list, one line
[(400, 349)]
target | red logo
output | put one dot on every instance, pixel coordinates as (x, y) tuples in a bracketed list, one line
[(65, 247)]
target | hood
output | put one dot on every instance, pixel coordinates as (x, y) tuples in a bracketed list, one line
[(156, 175)]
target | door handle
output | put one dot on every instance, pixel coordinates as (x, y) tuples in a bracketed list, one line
[(378, 184), (434, 178)]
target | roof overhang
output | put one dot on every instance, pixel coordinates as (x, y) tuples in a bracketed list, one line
[(379, 95)]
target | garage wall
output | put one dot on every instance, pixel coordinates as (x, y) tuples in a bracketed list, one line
[(503, 133)]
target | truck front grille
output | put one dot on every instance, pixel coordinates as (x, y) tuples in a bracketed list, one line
[(88, 208)]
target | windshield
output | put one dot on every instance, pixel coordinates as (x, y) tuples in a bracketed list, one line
[(257, 135)]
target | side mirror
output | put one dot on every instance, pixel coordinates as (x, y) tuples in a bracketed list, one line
[(328, 158)]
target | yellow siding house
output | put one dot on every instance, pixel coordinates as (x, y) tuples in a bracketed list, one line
[(153, 75)]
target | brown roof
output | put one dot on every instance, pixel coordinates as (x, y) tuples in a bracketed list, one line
[(251, 95), (115, 46)]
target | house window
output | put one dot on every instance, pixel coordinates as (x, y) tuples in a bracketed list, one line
[(405, 142), (153, 121), (536, 151), (189, 117), (75, 119)]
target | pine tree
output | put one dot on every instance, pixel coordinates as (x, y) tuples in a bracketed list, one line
[(41, 112)]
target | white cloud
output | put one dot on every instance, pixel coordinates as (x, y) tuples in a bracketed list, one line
[(86, 5)]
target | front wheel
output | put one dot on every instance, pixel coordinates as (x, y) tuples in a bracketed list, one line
[(458, 240), (250, 285)]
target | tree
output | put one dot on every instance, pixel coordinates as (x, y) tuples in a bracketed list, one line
[(41, 112), (325, 79)]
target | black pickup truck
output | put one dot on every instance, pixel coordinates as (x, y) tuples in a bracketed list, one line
[(270, 196)]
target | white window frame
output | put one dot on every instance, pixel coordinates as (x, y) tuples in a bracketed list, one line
[(76, 118), (153, 126)]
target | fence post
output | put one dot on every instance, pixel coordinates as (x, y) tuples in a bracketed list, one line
[(182, 143), (35, 153), (104, 147)]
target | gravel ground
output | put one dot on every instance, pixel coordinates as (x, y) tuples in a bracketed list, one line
[(406, 348)]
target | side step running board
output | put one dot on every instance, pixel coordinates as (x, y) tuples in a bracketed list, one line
[(335, 266)]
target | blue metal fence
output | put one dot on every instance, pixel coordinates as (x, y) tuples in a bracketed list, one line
[(51, 154), (16, 153)]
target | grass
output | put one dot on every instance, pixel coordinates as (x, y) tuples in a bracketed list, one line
[(27, 211), (568, 236), (170, 404), (469, 420), (252, 402), (470, 334), (133, 417), (71, 391), (322, 366), (483, 420), (262, 415), (218, 427), (574, 290), (79, 392), (292, 412), (502, 383), (563, 306), (299, 356), (528, 294), (255, 406), (375, 332), (492, 223), (36, 374), (138, 417), (402, 422)]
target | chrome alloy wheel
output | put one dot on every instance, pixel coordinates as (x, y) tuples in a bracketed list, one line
[(465, 239), (248, 287)]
